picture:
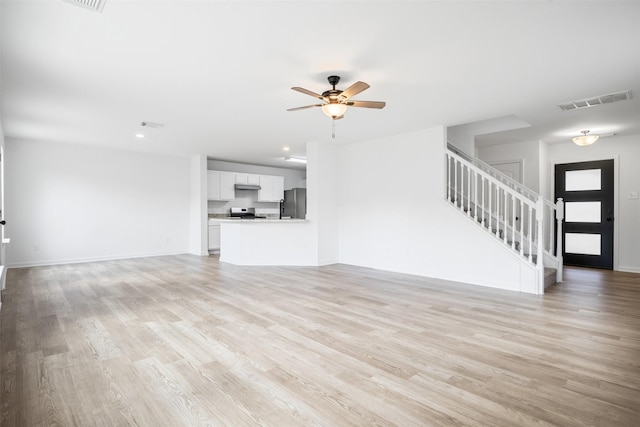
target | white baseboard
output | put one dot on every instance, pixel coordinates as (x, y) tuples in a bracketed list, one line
[(628, 269), (90, 259)]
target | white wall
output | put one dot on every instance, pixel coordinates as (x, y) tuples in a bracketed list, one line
[(625, 151), (198, 237), (393, 216), (323, 201), (527, 152), (69, 203)]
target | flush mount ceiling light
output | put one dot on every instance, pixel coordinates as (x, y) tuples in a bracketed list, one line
[(585, 139), (295, 159)]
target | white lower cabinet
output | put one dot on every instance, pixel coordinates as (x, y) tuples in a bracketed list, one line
[(214, 236)]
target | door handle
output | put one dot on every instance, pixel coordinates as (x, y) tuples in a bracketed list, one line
[(3, 222), (609, 218)]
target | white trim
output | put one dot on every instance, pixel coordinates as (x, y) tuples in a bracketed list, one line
[(628, 269), (93, 259)]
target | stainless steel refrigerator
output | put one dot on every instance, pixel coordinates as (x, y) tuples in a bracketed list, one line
[(295, 203)]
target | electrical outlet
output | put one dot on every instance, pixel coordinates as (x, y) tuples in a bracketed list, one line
[(633, 195)]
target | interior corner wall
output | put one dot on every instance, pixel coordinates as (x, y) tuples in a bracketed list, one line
[(323, 186), (460, 138), (198, 231), (393, 215), (625, 151), (70, 203), (528, 152)]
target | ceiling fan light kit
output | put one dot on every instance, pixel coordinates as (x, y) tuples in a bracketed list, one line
[(336, 101), (585, 139), (334, 110)]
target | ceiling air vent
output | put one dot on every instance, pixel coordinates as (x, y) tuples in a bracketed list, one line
[(95, 5), (596, 100), (152, 125)]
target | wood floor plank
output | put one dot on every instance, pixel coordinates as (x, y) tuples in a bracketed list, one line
[(188, 341)]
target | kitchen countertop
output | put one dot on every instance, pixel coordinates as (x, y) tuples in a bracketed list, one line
[(257, 220)]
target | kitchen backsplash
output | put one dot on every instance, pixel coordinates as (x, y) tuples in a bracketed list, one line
[(244, 199)]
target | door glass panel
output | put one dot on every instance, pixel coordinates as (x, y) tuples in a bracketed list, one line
[(582, 212), (582, 243), (582, 180)]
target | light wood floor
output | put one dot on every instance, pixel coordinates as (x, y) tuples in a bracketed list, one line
[(189, 341)]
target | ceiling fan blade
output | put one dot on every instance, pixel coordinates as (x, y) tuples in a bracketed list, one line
[(307, 92), (354, 89), (305, 107), (366, 104)]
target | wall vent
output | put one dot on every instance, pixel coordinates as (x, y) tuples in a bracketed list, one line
[(596, 100), (95, 5)]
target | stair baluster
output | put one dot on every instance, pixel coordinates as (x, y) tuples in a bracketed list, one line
[(523, 221)]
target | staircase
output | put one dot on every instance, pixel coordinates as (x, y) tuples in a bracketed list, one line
[(524, 223)]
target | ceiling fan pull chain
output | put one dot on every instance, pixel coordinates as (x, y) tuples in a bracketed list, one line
[(333, 129)]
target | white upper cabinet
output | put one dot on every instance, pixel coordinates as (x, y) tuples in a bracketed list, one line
[(213, 185), (272, 188), (221, 185), (227, 186), (247, 178)]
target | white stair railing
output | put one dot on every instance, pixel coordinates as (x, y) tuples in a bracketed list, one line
[(524, 221)]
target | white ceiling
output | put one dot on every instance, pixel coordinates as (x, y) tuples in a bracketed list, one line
[(218, 74)]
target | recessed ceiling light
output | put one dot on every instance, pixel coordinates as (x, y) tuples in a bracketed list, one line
[(139, 135), (286, 148)]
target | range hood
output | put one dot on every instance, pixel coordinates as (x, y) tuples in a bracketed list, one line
[(248, 187)]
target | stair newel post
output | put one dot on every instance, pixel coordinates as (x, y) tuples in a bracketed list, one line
[(559, 231), (540, 241), (552, 241)]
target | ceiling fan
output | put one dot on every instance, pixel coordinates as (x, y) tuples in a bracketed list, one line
[(337, 101)]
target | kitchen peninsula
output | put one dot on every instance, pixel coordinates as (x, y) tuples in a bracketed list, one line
[(267, 242)]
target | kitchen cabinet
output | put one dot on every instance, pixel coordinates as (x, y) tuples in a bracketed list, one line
[(221, 185), (214, 236), (272, 188), (247, 178)]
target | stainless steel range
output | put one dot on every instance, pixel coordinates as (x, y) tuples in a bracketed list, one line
[(244, 213)]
